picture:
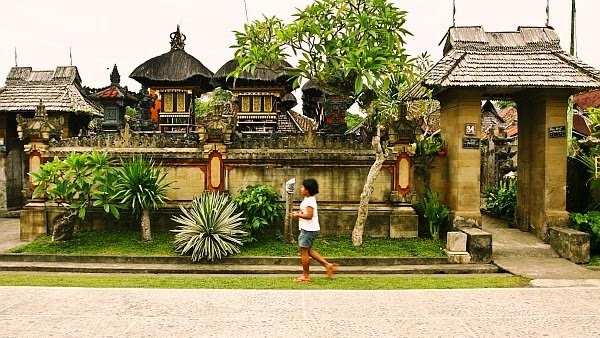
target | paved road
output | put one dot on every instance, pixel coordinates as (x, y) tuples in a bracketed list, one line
[(80, 312)]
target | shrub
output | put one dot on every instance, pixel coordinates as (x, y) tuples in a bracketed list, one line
[(140, 186), (430, 145), (590, 223), (501, 199), (434, 212), (77, 182), (261, 208), (210, 228)]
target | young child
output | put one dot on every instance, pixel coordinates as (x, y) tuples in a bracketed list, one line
[(308, 219)]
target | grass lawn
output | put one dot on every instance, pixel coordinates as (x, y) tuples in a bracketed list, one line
[(594, 259), (124, 242), (262, 282)]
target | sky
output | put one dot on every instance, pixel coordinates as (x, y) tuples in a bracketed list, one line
[(127, 33)]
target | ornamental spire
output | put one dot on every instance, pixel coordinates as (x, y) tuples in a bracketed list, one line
[(177, 40)]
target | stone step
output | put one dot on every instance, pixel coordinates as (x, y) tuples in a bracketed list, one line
[(234, 260), (242, 269)]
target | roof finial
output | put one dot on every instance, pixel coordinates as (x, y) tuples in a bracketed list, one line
[(453, 13), (547, 13), (115, 78), (177, 39), (16, 64)]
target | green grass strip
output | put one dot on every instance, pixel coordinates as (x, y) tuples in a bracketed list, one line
[(261, 282), (126, 242)]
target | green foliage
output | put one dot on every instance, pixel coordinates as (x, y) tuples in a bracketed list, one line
[(80, 180), (434, 212), (429, 145), (501, 199), (261, 208), (590, 223), (207, 103), (130, 112), (210, 228), (502, 104), (140, 184), (352, 48), (594, 119), (352, 119)]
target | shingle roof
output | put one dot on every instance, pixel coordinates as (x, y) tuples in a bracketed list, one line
[(59, 90), (587, 100), (529, 58)]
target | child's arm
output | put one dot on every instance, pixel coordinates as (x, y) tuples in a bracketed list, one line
[(300, 214)]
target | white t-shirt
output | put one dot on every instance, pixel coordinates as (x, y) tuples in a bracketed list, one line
[(313, 223)]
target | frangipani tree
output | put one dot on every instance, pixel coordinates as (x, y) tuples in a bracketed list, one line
[(353, 48)]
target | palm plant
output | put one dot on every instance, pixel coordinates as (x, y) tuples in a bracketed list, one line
[(210, 228), (141, 186)]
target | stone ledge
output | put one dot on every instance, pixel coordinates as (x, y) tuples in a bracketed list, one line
[(458, 257), (479, 244), (570, 244)]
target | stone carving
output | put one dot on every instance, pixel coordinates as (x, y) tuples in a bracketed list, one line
[(40, 128), (128, 139), (218, 125)]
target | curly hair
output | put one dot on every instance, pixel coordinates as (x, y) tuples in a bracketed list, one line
[(311, 185)]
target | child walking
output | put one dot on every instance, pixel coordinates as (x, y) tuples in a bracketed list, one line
[(308, 219)]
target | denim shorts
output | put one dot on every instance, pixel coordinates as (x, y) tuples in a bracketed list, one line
[(306, 238)]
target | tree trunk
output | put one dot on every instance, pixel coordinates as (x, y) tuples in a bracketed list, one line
[(63, 226), (365, 196), (146, 230)]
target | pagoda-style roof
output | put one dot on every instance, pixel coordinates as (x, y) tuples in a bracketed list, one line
[(175, 68), (505, 62), (114, 91), (59, 90), (279, 75)]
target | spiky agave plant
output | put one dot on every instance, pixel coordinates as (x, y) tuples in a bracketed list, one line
[(209, 228)]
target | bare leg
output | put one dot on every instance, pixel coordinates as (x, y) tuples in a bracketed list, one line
[(305, 259), (331, 267)]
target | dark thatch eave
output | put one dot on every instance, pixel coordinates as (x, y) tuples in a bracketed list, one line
[(311, 88), (174, 69), (261, 77)]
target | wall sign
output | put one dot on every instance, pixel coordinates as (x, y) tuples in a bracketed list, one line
[(470, 129), (559, 131), (470, 142)]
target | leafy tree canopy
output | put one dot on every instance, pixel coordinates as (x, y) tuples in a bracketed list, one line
[(354, 48)]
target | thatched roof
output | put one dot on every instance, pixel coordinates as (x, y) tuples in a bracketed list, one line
[(279, 74), (311, 88), (531, 57), (175, 68), (59, 90)]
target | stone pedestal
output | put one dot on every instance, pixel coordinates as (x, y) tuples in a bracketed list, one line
[(404, 222), (456, 241), (33, 221)]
